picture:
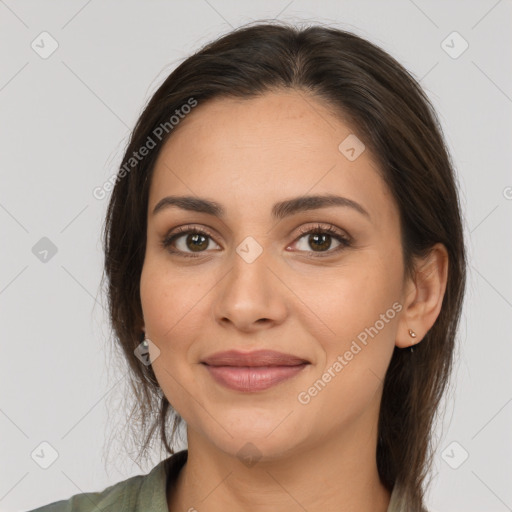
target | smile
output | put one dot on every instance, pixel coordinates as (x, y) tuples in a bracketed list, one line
[(253, 378)]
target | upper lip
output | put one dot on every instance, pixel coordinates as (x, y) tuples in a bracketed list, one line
[(254, 358)]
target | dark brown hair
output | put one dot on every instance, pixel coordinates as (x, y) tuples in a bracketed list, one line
[(388, 110)]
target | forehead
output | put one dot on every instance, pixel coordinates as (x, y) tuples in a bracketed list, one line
[(247, 153)]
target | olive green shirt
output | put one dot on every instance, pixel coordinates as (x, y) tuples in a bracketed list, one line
[(141, 493)]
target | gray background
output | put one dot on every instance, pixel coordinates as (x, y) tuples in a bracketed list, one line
[(64, 125)]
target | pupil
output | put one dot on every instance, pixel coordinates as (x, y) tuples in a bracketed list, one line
[(316, 236), (197, 245), (195, 238)]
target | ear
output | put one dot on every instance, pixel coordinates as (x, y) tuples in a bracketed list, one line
[(423, 296)]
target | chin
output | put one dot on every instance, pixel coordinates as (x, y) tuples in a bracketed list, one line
[(263, 439), (252, 450)]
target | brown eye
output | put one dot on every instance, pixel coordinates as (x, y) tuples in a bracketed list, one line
[(196, 242), (191, 242), (186, 241), (320, 238)]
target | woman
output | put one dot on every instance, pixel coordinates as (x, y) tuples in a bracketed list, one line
[(286, 270)]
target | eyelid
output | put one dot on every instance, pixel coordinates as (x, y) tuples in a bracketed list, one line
[(343, 238), (325, 227), (187, 228)]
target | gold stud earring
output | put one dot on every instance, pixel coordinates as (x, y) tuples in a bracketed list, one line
[(412, 334)]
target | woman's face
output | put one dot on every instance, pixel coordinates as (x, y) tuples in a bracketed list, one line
[(256, 282)]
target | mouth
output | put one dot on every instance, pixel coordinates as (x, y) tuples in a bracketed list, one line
[(253, 371), (252, 359)]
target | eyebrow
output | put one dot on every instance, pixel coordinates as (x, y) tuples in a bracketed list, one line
[(279, 210)]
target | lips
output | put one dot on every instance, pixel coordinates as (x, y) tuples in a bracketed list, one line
[(253, 371), (255, 358)]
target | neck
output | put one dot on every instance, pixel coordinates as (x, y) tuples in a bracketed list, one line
[(338, 474)]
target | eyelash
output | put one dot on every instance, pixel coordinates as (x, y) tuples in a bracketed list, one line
[(318, 229)]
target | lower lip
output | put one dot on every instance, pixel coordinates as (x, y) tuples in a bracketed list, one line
[(255, 378)]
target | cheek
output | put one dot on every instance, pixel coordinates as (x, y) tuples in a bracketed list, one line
[(167, 299), (349, 297), (171, 305), (355, 325), (352, 313)]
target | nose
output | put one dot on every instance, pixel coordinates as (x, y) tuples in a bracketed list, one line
[(251, 296)]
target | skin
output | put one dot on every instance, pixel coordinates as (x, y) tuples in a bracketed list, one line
[(247, 155)]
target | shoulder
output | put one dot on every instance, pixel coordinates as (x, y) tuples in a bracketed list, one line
[(119, 496), (137, 493), (114, 497)]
